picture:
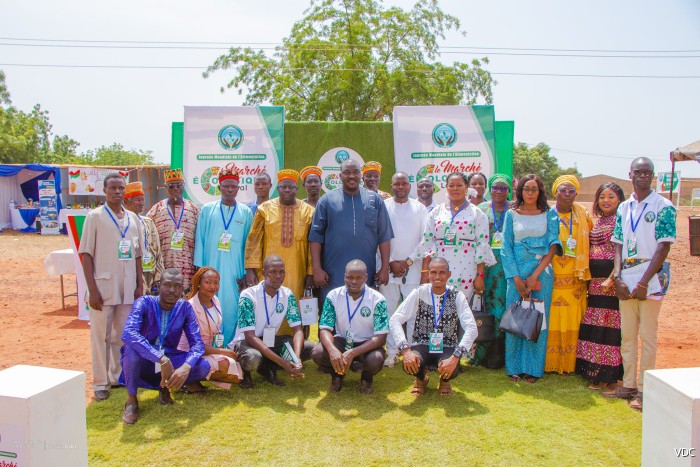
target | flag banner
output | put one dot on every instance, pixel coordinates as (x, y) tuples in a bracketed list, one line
[(251, 138), (48, 211), (90, 181), (434, 141), (74, 225), (663, 182)]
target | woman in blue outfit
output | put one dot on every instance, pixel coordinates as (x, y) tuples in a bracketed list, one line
[(530, 241)]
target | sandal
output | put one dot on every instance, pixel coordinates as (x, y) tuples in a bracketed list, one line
[(194, 388), (419, 386), (445, 388), (529, 379), (515, 378), (595, 386)]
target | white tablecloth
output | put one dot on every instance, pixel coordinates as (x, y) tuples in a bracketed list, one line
[(17, 221), (63, 214), (60, 262)]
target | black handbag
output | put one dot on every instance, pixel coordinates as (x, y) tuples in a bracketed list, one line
[(522, 322), (485, 323)]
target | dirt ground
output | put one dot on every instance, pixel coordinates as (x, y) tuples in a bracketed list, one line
[(34, 330)]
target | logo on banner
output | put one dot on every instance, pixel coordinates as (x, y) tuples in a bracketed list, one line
[(230, 137), (210, 181), (444, 135), (341, 156), (330, 162)]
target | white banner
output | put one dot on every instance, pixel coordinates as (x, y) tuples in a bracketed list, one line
[(214, 137), (330, 166), (434, 141), (663, 182), (90, 181)]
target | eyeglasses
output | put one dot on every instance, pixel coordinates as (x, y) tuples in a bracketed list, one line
[(172, 186), (530, 190), (500, 188), (641, 172), (570, 191)]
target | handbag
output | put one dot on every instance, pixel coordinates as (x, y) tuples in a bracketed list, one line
[(485, 323), (521, 321)]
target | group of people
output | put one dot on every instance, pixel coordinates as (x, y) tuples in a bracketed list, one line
[(385, 276)]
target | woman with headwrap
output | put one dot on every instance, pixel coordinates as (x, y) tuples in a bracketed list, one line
[(492, 354), (571, 276)]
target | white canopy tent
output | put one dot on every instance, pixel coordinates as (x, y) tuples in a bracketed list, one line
[(690, 152)]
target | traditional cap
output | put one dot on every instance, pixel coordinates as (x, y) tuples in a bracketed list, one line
[(288, 174), (371, 165), (133, 189), (174, 175), (565, 179), (229, 173), (310, 170)]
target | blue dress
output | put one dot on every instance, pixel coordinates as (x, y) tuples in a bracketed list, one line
[(526, 239)]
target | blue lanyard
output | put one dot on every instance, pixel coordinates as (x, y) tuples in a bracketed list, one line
[(145, 234), (571, 223), (162, 332), (457, 213), (277, 296), (634, 224), (226, 224), (218, 328), (347, 302), (179, 221), (128, 221), (437, 318), (498, 224)]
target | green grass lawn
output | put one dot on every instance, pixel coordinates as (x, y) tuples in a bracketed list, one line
[(487, 421)]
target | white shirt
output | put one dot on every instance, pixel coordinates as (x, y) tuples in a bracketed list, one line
[(371, 318), (408, 221), (253, 316), (657, 223)]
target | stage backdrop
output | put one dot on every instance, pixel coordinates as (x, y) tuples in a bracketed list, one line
[(434, 141), (250, 137)]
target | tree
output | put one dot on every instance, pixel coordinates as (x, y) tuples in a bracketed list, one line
[(537, 160), (4, 93), (116, 155), (24, 137), (356, 60)]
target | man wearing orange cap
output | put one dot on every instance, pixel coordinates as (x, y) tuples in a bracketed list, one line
[(371, 176), (151, 261), (311, 181), (176, 221), (222, 230), (281, 227)]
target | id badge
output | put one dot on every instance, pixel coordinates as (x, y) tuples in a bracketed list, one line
[(218, 341), (124, 250), (177, 241), (225, 242), (269, 336), (436, 342), (147, 262), (157, 367), (632, 247), (450, 237), (497, 240), (570, 247), (349, 340)]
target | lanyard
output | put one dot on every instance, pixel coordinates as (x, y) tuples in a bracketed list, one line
[(277, 297), (634, 224), (145, 233), (162, 331), (128, 221), (347, 302), (497, 224), (571, 223), (226, 224), (437, 318), (457, 213), (179, 221), (218, 328)]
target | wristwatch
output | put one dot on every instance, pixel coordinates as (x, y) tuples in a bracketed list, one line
[(409, 261)]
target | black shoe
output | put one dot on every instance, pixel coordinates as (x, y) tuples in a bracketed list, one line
[(102, 395), (270, 376), (130, 415), (336, 384), (164, 397), (247, 381)]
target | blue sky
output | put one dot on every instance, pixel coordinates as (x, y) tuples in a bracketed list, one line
[(597, 123)]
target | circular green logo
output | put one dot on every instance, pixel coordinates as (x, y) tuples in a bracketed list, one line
[(365, 312), (210, 181)]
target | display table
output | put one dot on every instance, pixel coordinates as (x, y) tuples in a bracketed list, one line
[(24, 219), (58, 263), (671, 418), (64, 213), (42, 417)]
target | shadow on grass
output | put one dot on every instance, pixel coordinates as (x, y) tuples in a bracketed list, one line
[(281, 399), (350, 404)]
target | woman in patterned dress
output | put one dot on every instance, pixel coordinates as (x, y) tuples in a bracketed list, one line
[(598, 357)]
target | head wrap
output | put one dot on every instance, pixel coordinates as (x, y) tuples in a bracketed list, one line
[(288, 174), (174, 175), (133, 189), (371, 165), (229, 173), (562, 179), (310, 170), (499, 178)]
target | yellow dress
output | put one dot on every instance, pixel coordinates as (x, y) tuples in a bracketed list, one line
[(568, 300), (284, 231)]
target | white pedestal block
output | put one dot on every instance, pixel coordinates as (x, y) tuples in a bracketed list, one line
[(42, 417), (671, 418)]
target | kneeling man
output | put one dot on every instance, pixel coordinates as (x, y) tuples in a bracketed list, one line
[(261, 310), (150, 358), (359, 337), (436, 313)]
